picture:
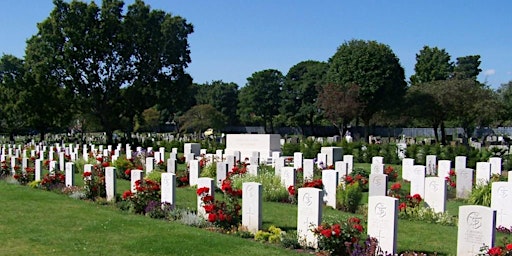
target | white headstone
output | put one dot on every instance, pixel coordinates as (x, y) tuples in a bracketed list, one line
[(253, 170), (194, 148), (288, 176), (231, 160), (333, 154), (430, 163), (330, 181), (252, 202), (407, 168), (194, 171), (341, 167), (383, 222), (275, 156), (483, 173), (150, 164), (70, 174), (378, 184), (218, 155), (418, 181), (222, 173), (464, 183), (321, 161), (53, 166), (247, 143), (377, 160), (38, 169), (476, 228), (495, 165), (460, 163), (210, 184), (203, 151), (443, 168), (501, 196), (435, 193), (309, 208), (349, 159), (110, 183), (255, 158), (377, 168), (172, 165), (168, 189), (308, 169), (297, 160), (278, 165), (135, 175)]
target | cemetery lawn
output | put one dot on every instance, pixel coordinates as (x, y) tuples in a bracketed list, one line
[(36, 222)]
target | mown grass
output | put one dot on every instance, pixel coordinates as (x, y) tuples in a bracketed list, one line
[(35, 222)]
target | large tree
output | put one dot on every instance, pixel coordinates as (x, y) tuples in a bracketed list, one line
[(375, 69), (432, 64), (467, 67), (300, 92), (222, 96), (202, 117), (505, 98), (259, 98), (13, 95), (339, 104), (94, 51)]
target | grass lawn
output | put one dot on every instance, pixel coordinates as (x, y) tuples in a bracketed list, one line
[(36, 222)]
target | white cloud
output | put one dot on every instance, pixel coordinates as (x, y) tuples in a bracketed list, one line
[(489, 72)]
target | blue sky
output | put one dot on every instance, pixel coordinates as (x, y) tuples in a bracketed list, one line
[(235, 38)]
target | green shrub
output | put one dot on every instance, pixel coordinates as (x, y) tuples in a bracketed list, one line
[(290, 148), (273, 235), (209, 170), (155, 175), (481, 193), (349, 197), (273, 190), (122, 164)]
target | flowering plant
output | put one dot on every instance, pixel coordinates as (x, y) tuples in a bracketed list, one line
[(4, 170), (94, 182), (339, 238), (450, 180), (24, 177), (292, 190), (504, 249), (391, 172), (52, 181), (223, 214), (147, 191)]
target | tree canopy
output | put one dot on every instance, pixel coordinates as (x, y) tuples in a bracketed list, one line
[(432, 64), (94, 51), (259, 99), (375, 69)]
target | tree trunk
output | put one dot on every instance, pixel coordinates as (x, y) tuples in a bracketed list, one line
[(11, 137), (109, 134), (436, 134), (42, 134), (443, 134), (366, 130)]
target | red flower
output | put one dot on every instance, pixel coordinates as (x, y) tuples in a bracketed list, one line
[(336, 229), (349, 179), (212, 217), (417, 197), (16, 176), (127, 194), (354, 220), (508, 247), (209, 208), (202, 190), (105, 164), (358, 227), (207, 198), (494, 251), (99, 159), (402, 206), (396, 186), (128, 172), (326, 232), (291, 190), (87, 174)]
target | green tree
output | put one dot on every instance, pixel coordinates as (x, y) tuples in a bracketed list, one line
[(259, 98), (432, 64), (467, 67), (375, 69), (300, 92), (505, 98), (222, 96), (202, 117), (94, 51), (339, 104), (13, 95)]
